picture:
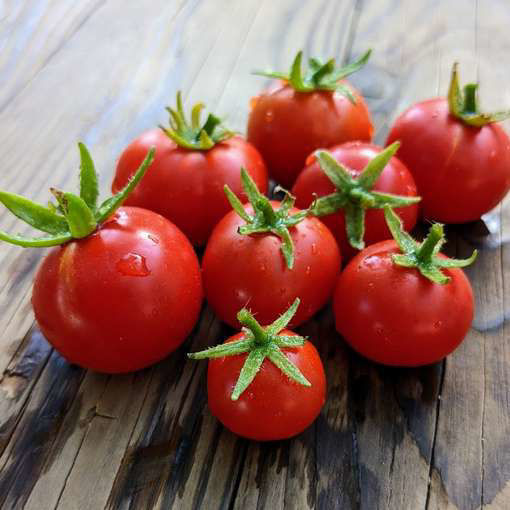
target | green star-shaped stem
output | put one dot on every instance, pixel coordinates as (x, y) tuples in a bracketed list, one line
[(423, 256), (355, 195), (464, 106), (319, 75), (194, 135), (266, 219), (74, 216), (259, 343)]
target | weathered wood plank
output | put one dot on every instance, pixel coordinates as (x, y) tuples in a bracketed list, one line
[(31, 34), (78, 440), (471, 458), (494, 272)]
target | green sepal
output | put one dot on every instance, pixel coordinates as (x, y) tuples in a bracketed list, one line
[(355, 195), (89, 190), (464, 105), (80, 219), (266, 219), (192, 135), (286, 366), (35, 242), (423, 256), (74, 217), (36, 215), (250, 368), (319, 75), (226, 349), (110, 205), (260, 343)]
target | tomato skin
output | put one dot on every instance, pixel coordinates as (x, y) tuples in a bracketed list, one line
[(395, 316), (273, 406), (122, 298), (186, 186), (461, 172), (395, 178), (286, 126), (241, 270)]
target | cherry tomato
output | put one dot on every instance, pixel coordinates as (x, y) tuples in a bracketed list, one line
[(394, 179), (123, 297), (249, 270), (286, 126), (273, 406), (394, 315), (459, 157), (186, 186)]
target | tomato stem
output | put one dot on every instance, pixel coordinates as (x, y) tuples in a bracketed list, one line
[(319, 75), (423, 256), (75, 216), (194, 136), (355, 195), (266, 219), (432, 244), (464, 106), (248, 320), (259, 343)]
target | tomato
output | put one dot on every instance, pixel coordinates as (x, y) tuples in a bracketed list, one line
[(355, 156), (249, 270), (185, 181), (186, 186), (121, 287), (286, 124), (122, 298), (461, 171), (394, 315), (265, 383), (273, 406)]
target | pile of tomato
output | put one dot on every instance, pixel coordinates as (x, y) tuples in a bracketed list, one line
[(122, 286)]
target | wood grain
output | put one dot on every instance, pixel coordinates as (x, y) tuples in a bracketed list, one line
[(102, 71)]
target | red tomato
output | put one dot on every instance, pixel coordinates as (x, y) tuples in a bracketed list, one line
[(394, 315), (395, 179), (286, 126), (186, 186), (273, 406), (250, 270), (461, 171), (123, 297)]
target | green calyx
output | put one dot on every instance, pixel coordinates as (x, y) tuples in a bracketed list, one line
[(194, 135), (319, 75), (74, 216), (260, 343), (423, 256), (355, 195), (265, 218), (464, 105)]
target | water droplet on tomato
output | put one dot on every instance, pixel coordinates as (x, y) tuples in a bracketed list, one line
[(269, 116), (133, 264), (314, 248), (308, 270), (438, 324), (242, 295), (371, 261)]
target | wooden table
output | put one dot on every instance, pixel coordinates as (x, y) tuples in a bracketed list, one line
[(101, 71)]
